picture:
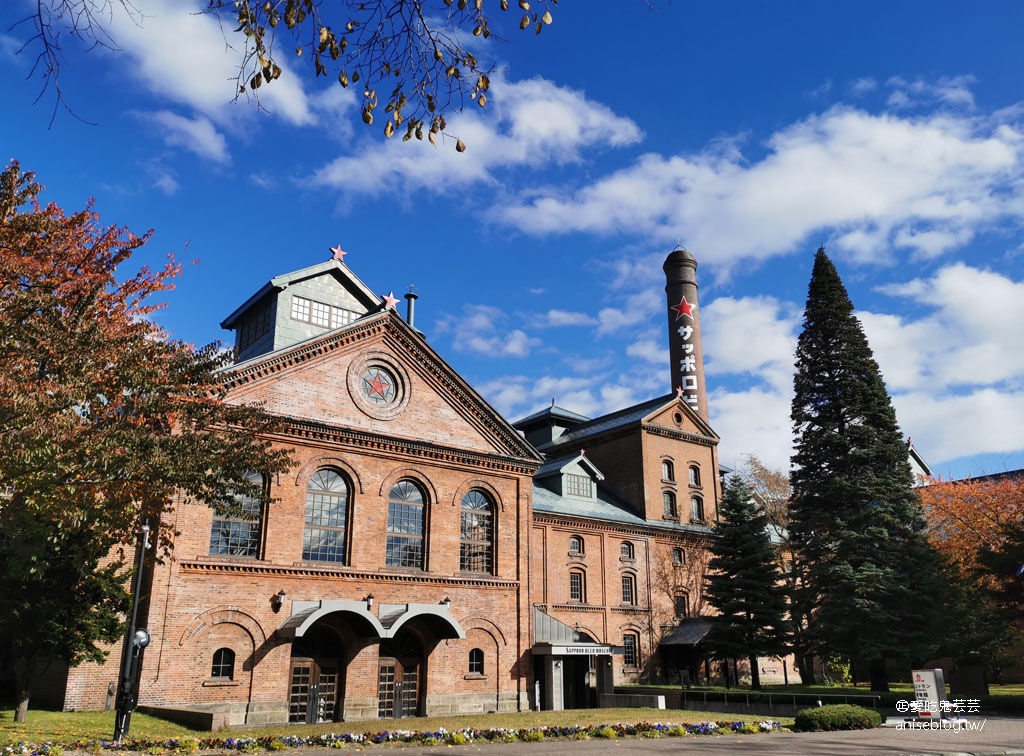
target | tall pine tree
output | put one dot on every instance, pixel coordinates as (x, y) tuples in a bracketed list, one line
[(745, 584), (868, 577)]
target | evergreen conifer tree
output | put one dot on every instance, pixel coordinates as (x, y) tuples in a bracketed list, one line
[(868, 578), (744, 584)]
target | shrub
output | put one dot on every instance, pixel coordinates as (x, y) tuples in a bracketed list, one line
[(458, 738), (676, 731), (605, 732), (533, 736), (837, 717)]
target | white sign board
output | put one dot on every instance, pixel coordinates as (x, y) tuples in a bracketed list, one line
[(930, 692)]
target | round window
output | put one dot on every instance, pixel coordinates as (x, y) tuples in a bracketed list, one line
[(378, 385)]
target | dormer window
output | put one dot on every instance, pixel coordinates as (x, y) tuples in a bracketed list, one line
[(579, 485)]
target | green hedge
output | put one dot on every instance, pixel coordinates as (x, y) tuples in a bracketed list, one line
[(837, 717)]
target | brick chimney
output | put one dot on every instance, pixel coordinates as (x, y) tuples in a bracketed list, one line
[(685, 352)]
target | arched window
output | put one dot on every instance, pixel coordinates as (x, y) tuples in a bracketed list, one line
[(476, 662), (631, 650), (324, 537), (626, 550), (696, 509), (694, 475), (668, 500), (223, 664), (578, 586), (476, 548), (682, 605), (406, 518), (576, 546), (668, 470), (678, 557), (628, 589), (239, 536)]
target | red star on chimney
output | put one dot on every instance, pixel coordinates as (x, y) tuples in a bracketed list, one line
[(683, 308)]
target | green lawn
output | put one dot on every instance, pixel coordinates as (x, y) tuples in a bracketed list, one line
[(71, 727)]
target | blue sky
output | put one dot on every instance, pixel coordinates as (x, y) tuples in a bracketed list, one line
[(751, 132)]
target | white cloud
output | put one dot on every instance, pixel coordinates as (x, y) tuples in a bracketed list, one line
[(559, 318), (636, 310), (481, 329), (529, 123), (870, 181), (196, 135), (755, 335), (971, 337), (863, 86), (182, 53), (650, 349)]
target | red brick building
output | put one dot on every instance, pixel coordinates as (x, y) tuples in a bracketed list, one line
[(424, 556)]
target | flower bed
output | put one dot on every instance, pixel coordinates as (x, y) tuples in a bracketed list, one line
[(188, 745)]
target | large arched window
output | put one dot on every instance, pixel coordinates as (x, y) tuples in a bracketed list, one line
[(668, 500), (326, 517), (406, 524), (239, 536), (223, 664), (476, 548)]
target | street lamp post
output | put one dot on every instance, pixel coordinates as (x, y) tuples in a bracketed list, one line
[(136, 640)]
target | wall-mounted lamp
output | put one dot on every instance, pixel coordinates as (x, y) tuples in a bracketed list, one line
[(277, 600), (369, 601), (446, 601)]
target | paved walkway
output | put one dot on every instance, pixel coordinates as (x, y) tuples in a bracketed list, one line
[(995, 735)]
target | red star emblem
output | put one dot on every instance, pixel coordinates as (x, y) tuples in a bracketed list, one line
[(378, 387), (679, 391), (390, 301), (683, 308), (337, 253)]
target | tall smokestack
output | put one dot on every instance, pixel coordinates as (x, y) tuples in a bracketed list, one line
[(684, 347)]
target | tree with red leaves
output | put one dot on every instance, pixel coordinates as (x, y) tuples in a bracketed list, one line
[(104, 423)]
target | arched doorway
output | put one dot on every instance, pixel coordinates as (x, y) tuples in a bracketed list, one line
[(400, 676), (316, 676)]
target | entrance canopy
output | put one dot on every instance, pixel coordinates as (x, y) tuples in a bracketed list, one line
[(689, 633), (392, 617)]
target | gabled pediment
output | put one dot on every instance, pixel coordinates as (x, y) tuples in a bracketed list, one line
[(376, 376), (676, 415)]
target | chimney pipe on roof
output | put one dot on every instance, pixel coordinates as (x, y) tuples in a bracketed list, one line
[(411, 298)]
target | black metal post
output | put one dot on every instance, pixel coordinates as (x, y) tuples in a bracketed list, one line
[(133, 646)]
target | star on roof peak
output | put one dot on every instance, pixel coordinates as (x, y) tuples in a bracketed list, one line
[(390, 300), (679, 392), (337, 253)]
